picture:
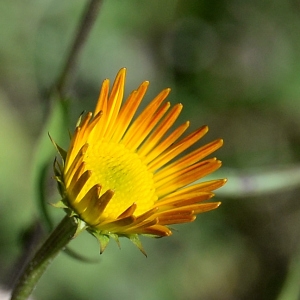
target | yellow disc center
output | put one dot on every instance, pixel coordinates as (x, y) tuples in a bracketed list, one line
[(116, 168)]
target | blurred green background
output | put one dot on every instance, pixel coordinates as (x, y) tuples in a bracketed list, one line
[(235, 65)]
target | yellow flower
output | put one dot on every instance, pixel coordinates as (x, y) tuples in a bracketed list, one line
[(123, 177)]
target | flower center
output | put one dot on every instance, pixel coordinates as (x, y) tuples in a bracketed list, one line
[(116, 168)]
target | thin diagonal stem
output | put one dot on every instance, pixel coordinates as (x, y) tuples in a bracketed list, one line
[(57, 240), (88, 18)]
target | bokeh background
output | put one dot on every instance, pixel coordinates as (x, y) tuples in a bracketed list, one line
[(235, 65)]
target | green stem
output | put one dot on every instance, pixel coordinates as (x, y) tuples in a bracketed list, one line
[(57, 240), (88, 18)]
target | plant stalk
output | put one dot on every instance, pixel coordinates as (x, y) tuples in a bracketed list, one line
[(57, 241), (87, 21)]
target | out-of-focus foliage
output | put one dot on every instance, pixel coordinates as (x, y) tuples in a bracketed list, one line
[(235, 66)]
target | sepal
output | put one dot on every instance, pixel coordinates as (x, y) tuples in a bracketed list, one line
[(81, 225), (116, 238), (60, 204), (103, 239), (60, 150), (134, 238)]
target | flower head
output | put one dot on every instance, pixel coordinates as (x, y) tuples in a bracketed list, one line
[(122, 176)]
